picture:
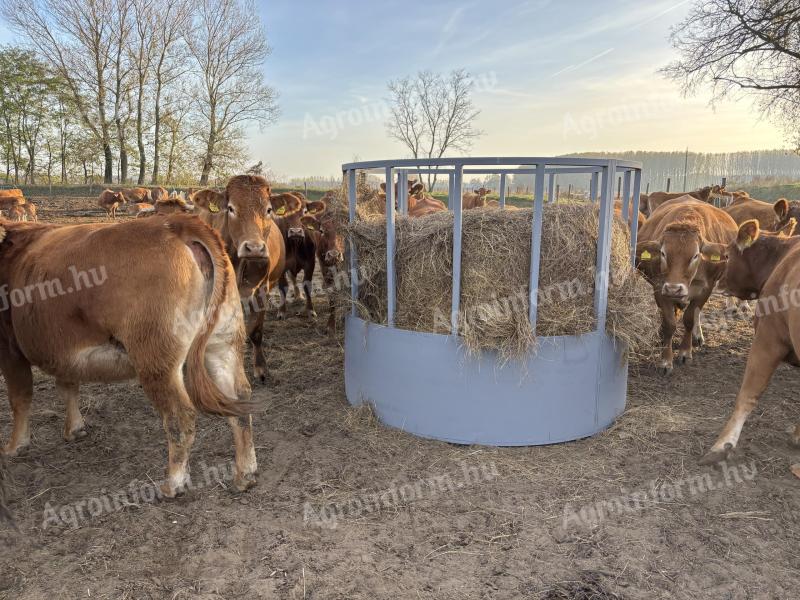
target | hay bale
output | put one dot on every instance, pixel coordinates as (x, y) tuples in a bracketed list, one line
[(495, 278)]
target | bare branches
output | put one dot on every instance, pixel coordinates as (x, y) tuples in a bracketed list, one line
[(432, 115), (750, 46)]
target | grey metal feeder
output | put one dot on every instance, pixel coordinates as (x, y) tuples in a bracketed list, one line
[(426, 384)]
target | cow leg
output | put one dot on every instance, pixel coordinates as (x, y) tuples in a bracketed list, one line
[(168, 394), (308, 275), (292, 277), (245, 452), (19, 381), (698, 338), (691, 323), (765, 356), (255, 332), (74, 427), (327, 277), (283, 287), (668, 325)]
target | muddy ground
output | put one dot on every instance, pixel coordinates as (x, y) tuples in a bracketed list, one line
[(453, 522)]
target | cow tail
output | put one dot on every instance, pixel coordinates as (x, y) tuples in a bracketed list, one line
[(203, 391)]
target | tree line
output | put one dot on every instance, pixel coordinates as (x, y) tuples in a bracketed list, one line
[(141, 90)]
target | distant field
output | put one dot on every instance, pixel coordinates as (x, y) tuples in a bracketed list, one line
[(790, 191)]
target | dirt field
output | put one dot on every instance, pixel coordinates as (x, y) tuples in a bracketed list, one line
[(454, 522)]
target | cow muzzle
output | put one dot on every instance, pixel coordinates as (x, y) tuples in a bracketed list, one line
[(295, 232), (252, 249), (333, 257), (676, 291)]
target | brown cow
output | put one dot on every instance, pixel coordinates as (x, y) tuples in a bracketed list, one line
[(419, 202), (172, 204), (16, 213), (767, 266), (105, 333), (9, 198), (656, 199), (640, 218), (301, 248), (682, 254), (476, 199), (143, 209), (137, 194), (770, 217), (30, 212), (158, 194), (330, 254), (110, 201), (243, 214)]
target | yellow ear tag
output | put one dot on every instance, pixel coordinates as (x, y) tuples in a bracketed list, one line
[(715, 258), (281, 211), (213, 207), (311, 227), (646, 255)]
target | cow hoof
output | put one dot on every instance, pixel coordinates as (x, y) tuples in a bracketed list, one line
[(684, 358), (76, 434), (312, 314), (281, 315), (712, 457), (244, 482), (167, 491), (260, 374), (698, 342), (665, 368)]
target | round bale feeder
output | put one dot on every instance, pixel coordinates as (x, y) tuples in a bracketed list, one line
[(427, 384)]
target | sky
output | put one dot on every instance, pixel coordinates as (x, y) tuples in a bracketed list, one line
[(551, 77)]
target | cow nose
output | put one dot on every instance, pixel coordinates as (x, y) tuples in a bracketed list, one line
[(253, 249), (334, 256), (295, 232), (675, 290)]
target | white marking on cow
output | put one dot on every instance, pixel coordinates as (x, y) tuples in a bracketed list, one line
[(107, 362)]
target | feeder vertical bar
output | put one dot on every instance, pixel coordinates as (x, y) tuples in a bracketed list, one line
[(455, 206), (450, 194), (593, 186), (601, 276), (351, 204), (637, 187), (502, 190), (626, 195), (536, 244), (402, 191), (551, 186), (390, 292)]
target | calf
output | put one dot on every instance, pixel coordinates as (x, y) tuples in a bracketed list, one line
[(9, 198), (419, 202), (110, 201), (243, 215), (330, 254), (681, 253), (301, 250), (16, 213), (187, 355), (765, 266), (30, 212), (143, 209)]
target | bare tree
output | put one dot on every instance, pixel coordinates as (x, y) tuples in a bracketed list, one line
[(748, 46), (122, 68), (229, 46), (432, 115), (76, 38), (173, 22), (142, 49)]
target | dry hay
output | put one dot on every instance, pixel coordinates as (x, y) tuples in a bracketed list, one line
[(495, 275)]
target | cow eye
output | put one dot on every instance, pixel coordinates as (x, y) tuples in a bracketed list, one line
[(231, 209), (269, 210)]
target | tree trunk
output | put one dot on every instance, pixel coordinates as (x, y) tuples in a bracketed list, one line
[(208, 160), (108, 175), (157, 134), (140, 138)]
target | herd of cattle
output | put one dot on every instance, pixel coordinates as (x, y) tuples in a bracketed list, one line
[(221, 252)]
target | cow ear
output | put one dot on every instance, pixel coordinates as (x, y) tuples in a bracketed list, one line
[(781, 208), (278, 204), (315, 208), (310, 222), (383, 187), (748, 233), (788, 229), (714, 253), (416, 188), (648, 251)]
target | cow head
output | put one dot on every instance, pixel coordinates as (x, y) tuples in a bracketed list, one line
[(416, 191), (290, 208), (330, 247), (752, 257), (704, 194), (672, 263), (786, 210)]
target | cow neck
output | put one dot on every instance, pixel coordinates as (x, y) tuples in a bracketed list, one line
[(766, 254)]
